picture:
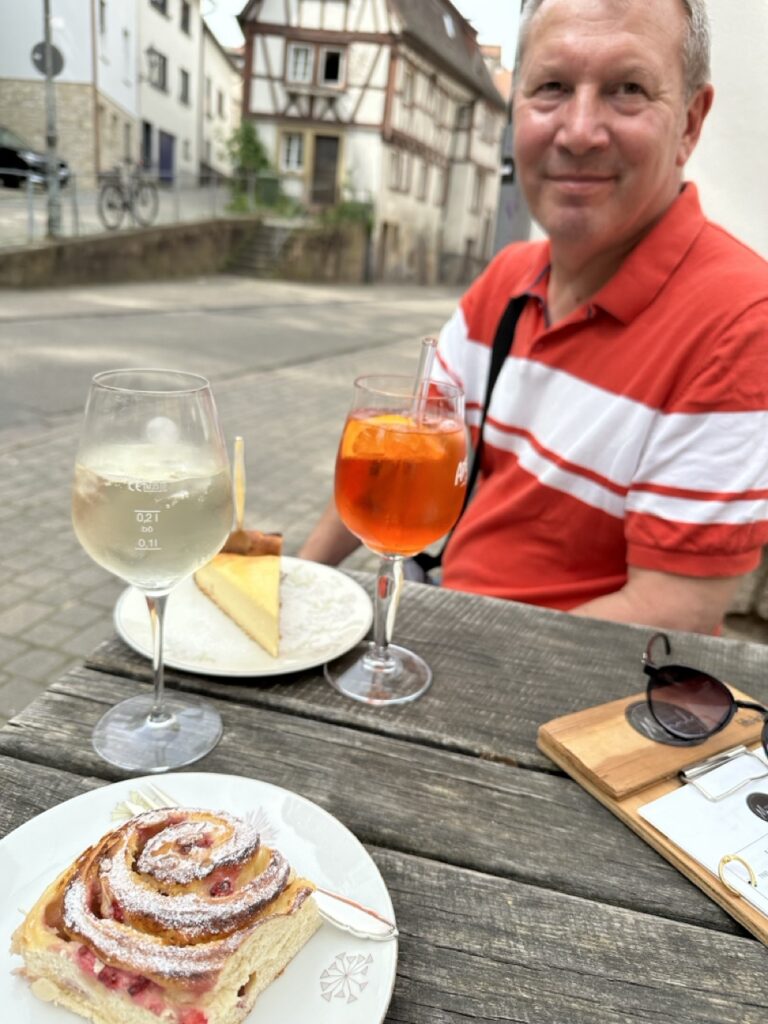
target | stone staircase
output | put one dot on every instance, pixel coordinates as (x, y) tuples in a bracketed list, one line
[(261, 255)]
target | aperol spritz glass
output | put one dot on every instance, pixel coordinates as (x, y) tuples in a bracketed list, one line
[(401, 474)]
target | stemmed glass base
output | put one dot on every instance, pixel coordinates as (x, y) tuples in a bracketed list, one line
[(397, 677), (130, 736)]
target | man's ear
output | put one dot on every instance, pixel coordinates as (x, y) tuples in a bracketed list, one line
[(698, 108)]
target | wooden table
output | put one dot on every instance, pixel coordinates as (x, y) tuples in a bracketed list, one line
[(519, 898)]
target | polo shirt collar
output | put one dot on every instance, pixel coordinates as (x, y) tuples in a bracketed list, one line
[(654, 259)]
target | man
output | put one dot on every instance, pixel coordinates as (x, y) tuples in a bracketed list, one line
[(625, 468)]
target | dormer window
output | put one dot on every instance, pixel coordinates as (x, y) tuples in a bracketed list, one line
[(450, 25)]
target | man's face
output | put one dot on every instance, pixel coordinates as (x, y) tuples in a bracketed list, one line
[(602, 129)]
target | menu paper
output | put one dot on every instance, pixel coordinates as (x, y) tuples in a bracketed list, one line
[(708, 829)]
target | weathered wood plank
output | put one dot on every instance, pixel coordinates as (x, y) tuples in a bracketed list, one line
[(28, 789), (532, 826), (475, 947), (488, 949), (500, 670)]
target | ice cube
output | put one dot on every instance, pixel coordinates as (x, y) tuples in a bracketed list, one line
[(162, 430)]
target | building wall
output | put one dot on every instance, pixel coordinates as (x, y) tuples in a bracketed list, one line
[(163, 108), (730, 164), (117, 48), (117, 136), (21, 28), (221, 107)]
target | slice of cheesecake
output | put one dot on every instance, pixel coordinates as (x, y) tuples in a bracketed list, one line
[(247, 589)]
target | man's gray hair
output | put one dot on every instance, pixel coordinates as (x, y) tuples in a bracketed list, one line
[(696, 44)]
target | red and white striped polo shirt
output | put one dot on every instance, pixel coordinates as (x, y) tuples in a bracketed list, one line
[(635, 431)]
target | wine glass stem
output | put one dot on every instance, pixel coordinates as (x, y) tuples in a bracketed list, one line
[(389, 583), (156, 606)]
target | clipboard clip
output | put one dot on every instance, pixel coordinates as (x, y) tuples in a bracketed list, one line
[(694, 774)]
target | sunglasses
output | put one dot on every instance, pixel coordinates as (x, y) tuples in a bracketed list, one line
[(688, 703)]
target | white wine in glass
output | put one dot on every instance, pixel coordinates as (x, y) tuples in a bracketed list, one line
[(152, 502)]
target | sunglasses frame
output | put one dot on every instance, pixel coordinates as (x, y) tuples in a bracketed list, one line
[(654, 672)]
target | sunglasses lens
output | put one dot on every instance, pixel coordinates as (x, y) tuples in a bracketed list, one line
[(688, 704)]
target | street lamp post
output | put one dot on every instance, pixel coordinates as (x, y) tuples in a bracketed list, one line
[(54, 200)]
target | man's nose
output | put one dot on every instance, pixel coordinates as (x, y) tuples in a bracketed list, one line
[(583, 124)]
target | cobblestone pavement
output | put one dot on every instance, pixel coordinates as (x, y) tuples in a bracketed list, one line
[(56, 604)]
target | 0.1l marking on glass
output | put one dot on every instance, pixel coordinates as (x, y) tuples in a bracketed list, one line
[(147, 519)]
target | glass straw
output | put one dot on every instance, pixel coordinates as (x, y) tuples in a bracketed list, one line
[(423, 373)]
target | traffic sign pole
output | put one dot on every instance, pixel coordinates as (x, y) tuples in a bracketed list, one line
[(54, 199)]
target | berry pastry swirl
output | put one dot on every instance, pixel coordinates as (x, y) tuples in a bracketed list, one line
[(170, 894)]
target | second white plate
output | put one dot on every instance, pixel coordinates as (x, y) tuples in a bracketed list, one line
[(323, 614), (335, 979)]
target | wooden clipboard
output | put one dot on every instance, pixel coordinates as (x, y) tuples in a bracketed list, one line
[(604, 753)]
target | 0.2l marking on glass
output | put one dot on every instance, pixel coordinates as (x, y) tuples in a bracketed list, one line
[(148, 519)]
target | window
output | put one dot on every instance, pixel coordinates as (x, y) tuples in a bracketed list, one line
[(146, 144), (421, 192), (160, 5), (208, 97), (293, 152), (450, 25), (185, 17), (220, 103), (332, 70), (127, 140), (186, 150), (184, 87), (158, 69), (394, 170), (126, 56), (488, 133), (464, 116), (301, 61), (478, 191), (406, 175), (441, 180), (102, 17), (408, 84)]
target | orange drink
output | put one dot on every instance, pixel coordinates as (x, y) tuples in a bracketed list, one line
[(400, 481)]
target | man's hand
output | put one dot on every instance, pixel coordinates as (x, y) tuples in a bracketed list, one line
[(667, 601)]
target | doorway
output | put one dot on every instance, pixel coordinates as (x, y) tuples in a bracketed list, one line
[(324, 170), (167, 157)]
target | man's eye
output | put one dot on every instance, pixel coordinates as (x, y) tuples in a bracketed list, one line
[(550, 87), (630, 89)]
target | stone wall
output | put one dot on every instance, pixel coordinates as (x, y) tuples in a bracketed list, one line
[(22, 109), (179, 250), (337, 254)]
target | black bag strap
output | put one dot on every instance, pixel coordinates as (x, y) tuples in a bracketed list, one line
[(502, 345)]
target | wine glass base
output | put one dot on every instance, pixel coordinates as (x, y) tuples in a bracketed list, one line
[(127, 738), (402, 678)]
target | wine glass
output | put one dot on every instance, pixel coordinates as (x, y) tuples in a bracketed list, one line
[(152, 502), (401, 473)]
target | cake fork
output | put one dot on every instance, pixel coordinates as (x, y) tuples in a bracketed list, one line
[(340, 911)]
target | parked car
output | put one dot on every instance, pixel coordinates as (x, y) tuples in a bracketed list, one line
[(19, 161)]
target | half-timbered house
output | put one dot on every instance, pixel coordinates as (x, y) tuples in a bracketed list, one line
[(388, 101)]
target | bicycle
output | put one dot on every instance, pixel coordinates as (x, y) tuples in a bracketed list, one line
[(126, 190)]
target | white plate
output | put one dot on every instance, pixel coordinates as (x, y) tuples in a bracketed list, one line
[(335, 979), (323, 614)]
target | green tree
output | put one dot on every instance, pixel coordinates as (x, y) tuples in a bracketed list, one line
[(248, 152)]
